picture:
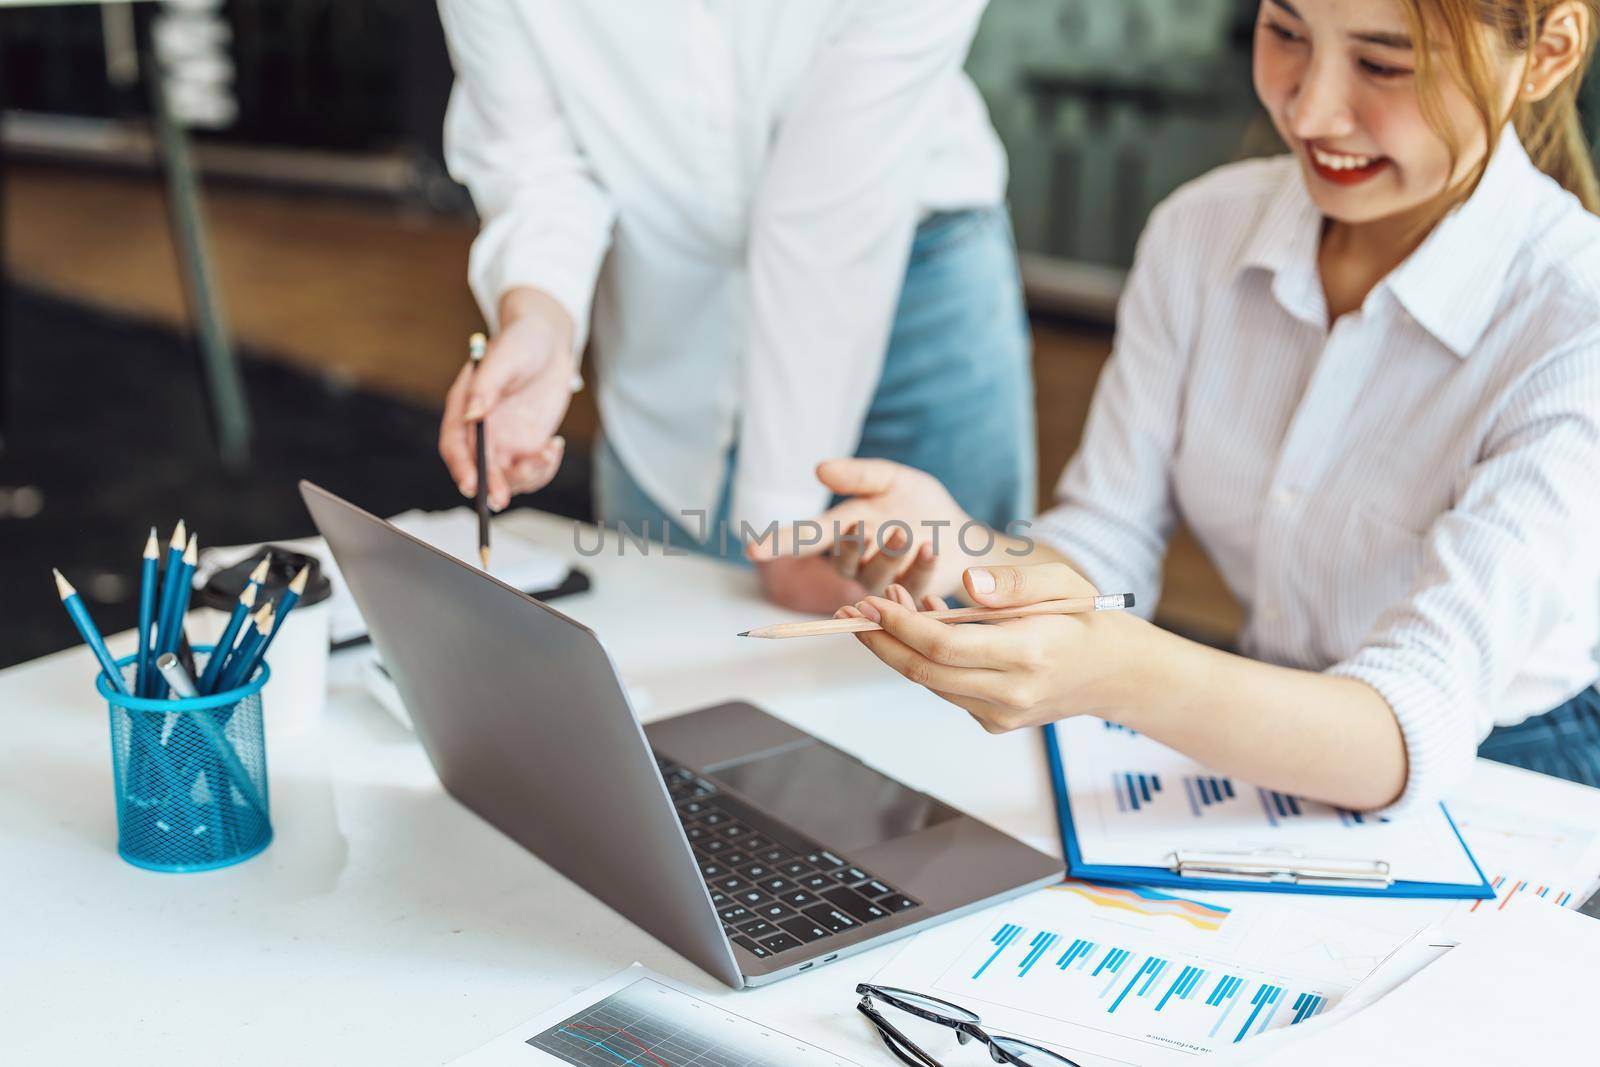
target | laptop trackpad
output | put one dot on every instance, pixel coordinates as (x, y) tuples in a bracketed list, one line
[(829, 796)]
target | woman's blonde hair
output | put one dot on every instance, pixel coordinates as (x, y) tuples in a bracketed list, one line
[(1550, 128)]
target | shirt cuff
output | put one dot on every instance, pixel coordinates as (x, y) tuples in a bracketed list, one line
[(1438, 733), (1076, 534), (499, 264)]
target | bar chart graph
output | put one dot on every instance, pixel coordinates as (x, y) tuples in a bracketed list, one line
[(1132, 802), (1136, 989), (1138, 975)]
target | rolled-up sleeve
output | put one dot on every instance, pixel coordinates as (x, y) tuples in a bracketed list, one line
[(1516, 558), (546, 221), (830, 235), (1114, 510)]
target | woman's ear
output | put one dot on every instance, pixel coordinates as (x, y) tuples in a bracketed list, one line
[(1558, 49)]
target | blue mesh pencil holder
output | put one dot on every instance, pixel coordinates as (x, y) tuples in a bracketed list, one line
[(190, 775)]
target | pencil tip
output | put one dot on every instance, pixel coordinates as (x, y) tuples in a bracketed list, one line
[(179, 537), (248, 597), (259, 575), (743, 633), (152, 546), (191, 554), (483, 555), (298, 585), (63, 586)]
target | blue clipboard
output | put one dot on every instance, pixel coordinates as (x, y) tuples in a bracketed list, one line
[(1162, 876)]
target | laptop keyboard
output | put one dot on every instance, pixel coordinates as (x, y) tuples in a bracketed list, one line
[(772, 898)]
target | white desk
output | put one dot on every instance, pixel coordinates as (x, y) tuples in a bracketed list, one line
[(386, 923)]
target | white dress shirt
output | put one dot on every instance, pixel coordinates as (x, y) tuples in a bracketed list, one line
[(757, 169), (1410, 498)]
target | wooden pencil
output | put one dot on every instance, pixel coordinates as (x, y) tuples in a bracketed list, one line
[(1071, 606)]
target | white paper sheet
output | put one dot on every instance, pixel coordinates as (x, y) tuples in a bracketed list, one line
[(1116, 974), (1517, 989), (514, 561), (1526, 828), (1135, 801), (640, 1017)]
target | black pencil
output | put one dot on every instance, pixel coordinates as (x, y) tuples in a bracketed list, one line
[(477, 344)]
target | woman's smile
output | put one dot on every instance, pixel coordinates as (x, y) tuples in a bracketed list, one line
[(1343, 168)]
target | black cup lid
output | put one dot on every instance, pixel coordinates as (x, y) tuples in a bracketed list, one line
[(222, 589)]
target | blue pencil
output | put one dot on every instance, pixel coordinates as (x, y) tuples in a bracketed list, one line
[(242, 663), (90, 633), (149, 579), (226, 647), (291, 597), (185, 590), (219, 654), (139, 782), (169, 589)]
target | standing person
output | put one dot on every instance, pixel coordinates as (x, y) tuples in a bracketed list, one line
[(808, 256), (1367, 375)]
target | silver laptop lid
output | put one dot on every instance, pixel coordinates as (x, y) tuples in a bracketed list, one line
[(520, 710)]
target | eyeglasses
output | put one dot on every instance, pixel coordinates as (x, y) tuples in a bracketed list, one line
[(963, 1022)]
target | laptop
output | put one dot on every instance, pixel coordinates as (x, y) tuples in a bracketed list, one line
[(745, 844)]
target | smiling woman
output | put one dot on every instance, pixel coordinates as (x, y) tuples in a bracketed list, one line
[(1392, 133), (1367, 375)]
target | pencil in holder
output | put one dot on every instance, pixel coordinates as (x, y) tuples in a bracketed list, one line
[(190, 776)]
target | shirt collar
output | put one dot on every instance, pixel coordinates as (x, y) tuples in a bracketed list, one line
[(1450, 285), (1285, 245)]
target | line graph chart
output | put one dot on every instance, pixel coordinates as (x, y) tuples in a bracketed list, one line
[(648, 1024)]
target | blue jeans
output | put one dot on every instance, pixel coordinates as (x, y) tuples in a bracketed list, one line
[(955, 397), (1564, 741)]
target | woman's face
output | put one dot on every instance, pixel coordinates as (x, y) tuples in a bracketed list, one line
[(1338, 78)]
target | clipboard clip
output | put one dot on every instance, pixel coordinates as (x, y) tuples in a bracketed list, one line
[(1287, 867)]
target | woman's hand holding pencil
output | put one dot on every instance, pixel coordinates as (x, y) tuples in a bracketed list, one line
[(1047, 650), (520, 394)]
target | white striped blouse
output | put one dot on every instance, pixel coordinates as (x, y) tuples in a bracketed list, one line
[(1410, 498)]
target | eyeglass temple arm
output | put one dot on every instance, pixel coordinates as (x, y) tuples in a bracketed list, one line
[(897, 1042)]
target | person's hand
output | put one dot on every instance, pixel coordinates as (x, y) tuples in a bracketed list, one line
[(807, 583), (900, 525), (521, 391), (1017, 672)]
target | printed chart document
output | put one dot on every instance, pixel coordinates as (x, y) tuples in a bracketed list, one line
[(1519, 989), (1135, 803), (1121, 974), (639, 1017)]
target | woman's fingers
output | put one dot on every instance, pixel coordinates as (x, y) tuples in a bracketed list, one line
[(881, 567), (813, 536), (1004, 587), (902, 596), (507, 366), (858, 477), (917, 577), (978, 647), (534, 472), (917, 668), (847, 551), (934, 603), (455, 436)]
